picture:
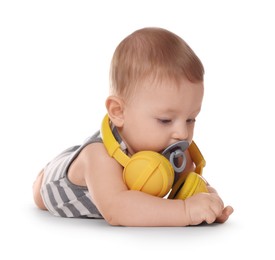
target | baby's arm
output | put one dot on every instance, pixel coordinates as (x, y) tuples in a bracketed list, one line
[(120, 206)]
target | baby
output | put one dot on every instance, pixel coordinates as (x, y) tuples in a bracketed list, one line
[(156, 92)]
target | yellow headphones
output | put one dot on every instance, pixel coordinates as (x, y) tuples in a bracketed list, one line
[(151, 172)]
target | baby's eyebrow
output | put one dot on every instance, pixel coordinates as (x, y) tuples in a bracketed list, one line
[(166, 111)]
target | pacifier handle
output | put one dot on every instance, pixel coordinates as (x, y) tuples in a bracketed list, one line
[(175, 155), (175, 151)]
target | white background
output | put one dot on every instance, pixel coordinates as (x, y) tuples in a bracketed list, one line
[(54, 65)]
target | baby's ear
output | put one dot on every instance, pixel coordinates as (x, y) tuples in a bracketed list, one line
[(115, 108)]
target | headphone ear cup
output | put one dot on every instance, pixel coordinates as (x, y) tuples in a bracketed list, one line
[(187, 186), (149, 172)]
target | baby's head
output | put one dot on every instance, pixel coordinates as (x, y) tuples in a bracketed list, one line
[(152, 54), (156, 90)]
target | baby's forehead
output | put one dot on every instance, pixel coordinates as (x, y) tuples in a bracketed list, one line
[(161, 84), (156, 81), (166, 83)]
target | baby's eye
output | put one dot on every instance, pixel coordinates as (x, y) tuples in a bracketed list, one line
[(191, 120), (164, 121)]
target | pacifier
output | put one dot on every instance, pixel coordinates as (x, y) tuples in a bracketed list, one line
[(174, 152)]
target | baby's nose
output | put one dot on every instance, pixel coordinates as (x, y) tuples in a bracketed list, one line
[(181, 132)]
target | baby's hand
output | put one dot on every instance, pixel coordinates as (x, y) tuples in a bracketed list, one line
[(206, 207), (227, 211)]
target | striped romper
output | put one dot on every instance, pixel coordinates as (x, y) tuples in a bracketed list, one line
[(63, 198)]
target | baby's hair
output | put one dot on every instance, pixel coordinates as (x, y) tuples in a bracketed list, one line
[(152, 54)]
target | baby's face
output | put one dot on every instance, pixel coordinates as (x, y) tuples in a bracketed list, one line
[(158, 116)]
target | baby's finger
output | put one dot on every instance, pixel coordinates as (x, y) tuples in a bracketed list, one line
[(227, 211), (210, 217)]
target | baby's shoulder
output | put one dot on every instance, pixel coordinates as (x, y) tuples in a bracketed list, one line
[(92, 151)]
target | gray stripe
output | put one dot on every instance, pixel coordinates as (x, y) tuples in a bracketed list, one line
[(60, 169), (59, 163), (53, 168), (53, 201), (46, 199), (89, 205), (84, 200), (66, 200)]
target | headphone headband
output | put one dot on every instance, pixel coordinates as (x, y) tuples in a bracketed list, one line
[(111, 144)]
